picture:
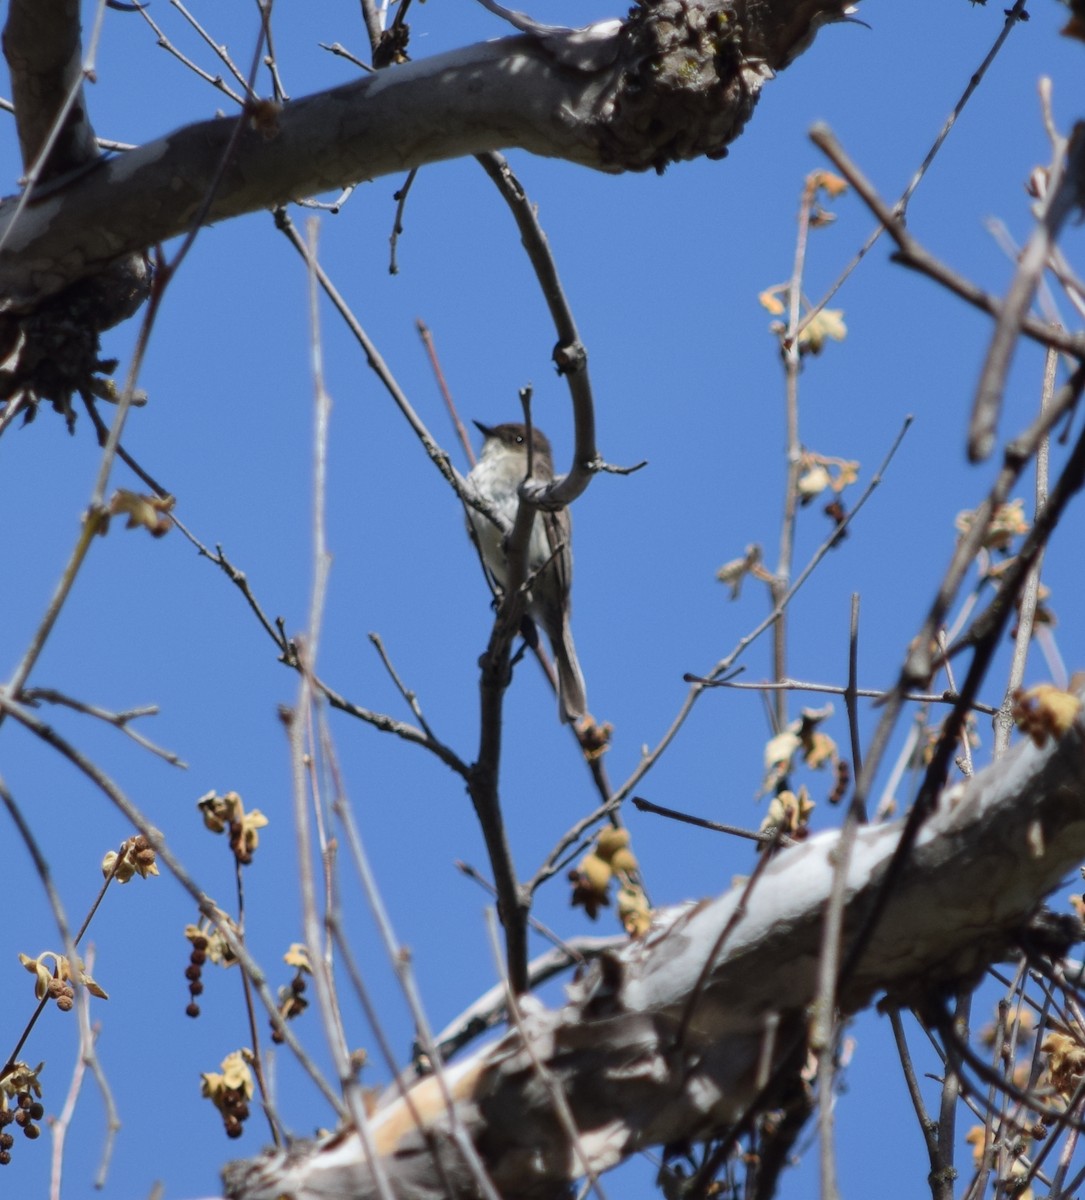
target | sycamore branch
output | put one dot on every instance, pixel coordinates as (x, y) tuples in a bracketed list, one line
[(671, 1038), (677, 79)]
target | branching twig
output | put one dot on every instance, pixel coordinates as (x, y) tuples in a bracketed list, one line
[(1013, 16), (121, 720), (165, 855), (1065, 195), (725, 664), (410, 697), (216, 81), (912, 254)]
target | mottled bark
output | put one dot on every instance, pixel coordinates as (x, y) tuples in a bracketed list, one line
[(647, 1051), (673, 81)]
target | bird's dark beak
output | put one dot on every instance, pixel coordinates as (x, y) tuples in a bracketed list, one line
[(485, 430)]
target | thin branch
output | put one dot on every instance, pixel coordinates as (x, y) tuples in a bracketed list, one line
[(397, 225), (250, 1012), (121, 720), (1065, 195), (301, 749), (570, 355), (923, 1119), (642, 805), (833, 689), (851, 694), (443, 388), (912, 254), (725, 664), (823, 1026), (165, 855), (340, 51), (943, 1175), (400, 959), (1030, 593), (63, 1121), (216, 81), (410, 697), (1014, 15), (438, 456), (288, 656), (219, 49), (791, 355)]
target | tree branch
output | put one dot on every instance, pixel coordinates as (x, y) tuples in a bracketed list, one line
[(967, 886), (674, 81)]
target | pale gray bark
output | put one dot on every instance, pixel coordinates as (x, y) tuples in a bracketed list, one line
[(674, 81), (990, 850)]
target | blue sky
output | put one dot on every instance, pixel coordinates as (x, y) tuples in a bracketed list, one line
[(663, 274)]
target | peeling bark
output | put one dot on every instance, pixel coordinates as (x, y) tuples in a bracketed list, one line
[(993, 847)]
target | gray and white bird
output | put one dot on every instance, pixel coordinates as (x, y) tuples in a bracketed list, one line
[(497, 476)]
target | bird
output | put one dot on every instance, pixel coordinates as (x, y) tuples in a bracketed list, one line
[(496, 478)]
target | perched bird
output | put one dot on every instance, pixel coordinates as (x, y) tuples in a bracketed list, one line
[(496, 477)]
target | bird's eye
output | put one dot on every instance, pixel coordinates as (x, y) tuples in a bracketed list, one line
[(520, 439)]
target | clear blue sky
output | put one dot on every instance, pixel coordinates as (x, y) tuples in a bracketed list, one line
[(663, 275)]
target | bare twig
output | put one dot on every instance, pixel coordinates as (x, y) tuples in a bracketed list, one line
[(1065, 195), (851, 693), (446, 394), (1013, 16), (570, 355), (923, 1119), (642, 805), (725, 664), (912, 254), (401, 964), (250, 1012), (791, 355), (409, 696), (438, 456), (397, 225), (1030, 594), (122, 720), (340, 51), (216, 81), (165, 855), (64, 1119), (832, 689)]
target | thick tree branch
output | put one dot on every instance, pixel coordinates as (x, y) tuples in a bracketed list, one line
[(674, 81), (43, 48), (991, 848)]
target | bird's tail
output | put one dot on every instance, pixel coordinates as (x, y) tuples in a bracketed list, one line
[(572, 695)]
